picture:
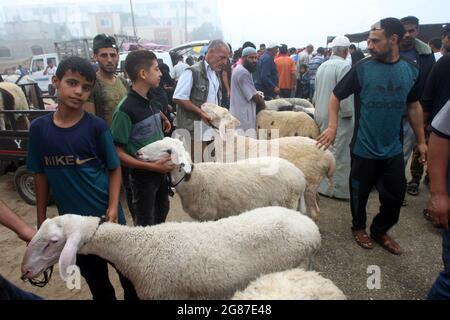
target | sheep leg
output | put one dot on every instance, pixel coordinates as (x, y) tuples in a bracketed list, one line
[(311, 201)]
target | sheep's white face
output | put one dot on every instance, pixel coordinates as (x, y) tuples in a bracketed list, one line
[(163, 148), (221, 117), (44, 249)]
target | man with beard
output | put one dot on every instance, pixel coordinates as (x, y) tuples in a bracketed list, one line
[(419, 52), (109, 88), (383, 85), (245, 100)]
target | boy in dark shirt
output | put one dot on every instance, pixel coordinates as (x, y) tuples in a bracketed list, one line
[(72, 152), (137, 122)]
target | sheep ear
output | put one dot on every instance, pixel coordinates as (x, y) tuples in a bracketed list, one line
[(68, 255)]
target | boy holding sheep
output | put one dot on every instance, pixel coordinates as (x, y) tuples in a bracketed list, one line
[(72, 152), (136, 123)]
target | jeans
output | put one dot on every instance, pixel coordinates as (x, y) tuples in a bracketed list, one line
[(150, 197), (8, 291), (441, 288), (95, 271)]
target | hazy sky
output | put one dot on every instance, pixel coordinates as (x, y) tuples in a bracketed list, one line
[(298, 22)]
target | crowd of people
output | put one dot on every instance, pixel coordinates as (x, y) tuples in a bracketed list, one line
[(374, 113)]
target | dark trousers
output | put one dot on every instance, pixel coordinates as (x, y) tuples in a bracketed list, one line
[(285, 93), (127, 187), (9, 291), (150, 192), (95, 271), (441, 288), (417, 168), (388, 176)]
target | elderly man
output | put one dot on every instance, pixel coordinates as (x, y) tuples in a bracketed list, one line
[(266, 75), (245, 100), (383, 85), (328, 75), (199, 84)]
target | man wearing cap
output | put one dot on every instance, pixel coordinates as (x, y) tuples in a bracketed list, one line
[(109, 88), (328, 75), (266, 75), (384, 85), (244, 99), (199, 84), (286, 69)]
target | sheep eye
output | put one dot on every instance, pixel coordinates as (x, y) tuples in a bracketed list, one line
[(169, 151)]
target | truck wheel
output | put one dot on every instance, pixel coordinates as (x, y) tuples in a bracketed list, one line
[(24, 182)]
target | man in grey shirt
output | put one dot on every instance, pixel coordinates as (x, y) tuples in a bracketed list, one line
[(244, 98)]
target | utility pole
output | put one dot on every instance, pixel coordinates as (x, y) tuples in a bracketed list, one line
[(185, 22), (132, 19)]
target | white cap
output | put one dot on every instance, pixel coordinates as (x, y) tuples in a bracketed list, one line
[(340, 41), (274, 45)]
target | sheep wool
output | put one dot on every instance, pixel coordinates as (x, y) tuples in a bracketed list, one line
[(288, 124), (12, 97), (296, 284), (189, 260)]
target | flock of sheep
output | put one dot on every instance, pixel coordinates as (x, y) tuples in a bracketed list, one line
[(254, 238)]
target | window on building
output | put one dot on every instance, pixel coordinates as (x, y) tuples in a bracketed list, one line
[(105, 23), (36, 50), (5, 52)]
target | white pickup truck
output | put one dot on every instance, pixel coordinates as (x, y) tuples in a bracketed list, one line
[(37, 68)]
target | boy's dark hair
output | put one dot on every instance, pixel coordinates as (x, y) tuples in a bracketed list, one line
[(410, 20), (320, 50), (446, 31), (138, 60), (76, 64), (352, 46), (436, 42), (390, 26)]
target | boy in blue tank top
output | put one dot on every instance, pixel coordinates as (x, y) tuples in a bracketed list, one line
[(72, 152)]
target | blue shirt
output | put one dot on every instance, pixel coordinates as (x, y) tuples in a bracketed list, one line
[(76, 161), (266, 75), (382, 91)]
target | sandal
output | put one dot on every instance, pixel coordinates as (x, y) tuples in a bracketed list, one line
[(387, 243), (362, 239), (413, 188)]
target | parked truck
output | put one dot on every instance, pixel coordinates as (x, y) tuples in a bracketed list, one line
[(63, 49)]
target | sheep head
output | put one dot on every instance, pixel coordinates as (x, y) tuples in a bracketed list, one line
[(162, 148), (222, 119), (58, 240)]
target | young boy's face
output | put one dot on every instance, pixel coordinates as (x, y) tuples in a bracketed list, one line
[(153, 75), (73, 89)]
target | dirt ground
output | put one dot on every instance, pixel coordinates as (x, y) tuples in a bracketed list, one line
[(405, 277)]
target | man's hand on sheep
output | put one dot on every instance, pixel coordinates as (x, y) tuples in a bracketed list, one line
[(206, 118), (326, 139), (112, 215), (164, 165)]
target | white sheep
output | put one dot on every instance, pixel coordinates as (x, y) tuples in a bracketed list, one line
[(189, 260), (288, 104), (295, 284), (288, 124), (300, 151), (213, 191), (12, 98)]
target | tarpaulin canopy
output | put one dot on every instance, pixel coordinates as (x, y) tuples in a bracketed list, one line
[(426, 33), (129, 46)]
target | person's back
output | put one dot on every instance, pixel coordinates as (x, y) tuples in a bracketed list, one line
[(286, 69), (266, 75)]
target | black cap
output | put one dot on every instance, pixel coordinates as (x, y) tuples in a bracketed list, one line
[(104, 41)]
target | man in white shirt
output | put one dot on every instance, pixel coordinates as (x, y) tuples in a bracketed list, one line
[(50, 71), (199, 84), (179, 68)]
